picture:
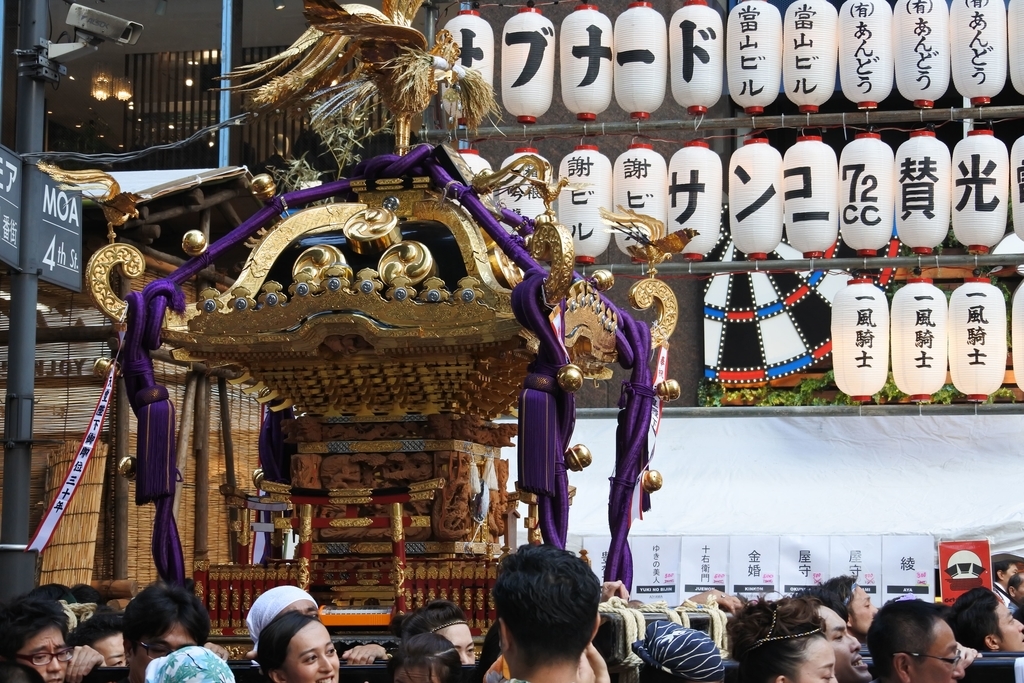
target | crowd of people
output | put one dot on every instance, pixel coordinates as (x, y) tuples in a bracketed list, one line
[(547, 602)]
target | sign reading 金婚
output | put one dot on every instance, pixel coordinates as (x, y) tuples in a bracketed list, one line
[(753, 565), (908, 565)]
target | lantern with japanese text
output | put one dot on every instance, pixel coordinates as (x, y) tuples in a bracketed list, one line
[(755, 198), (1017, 186), (918, 339), (695, 196), (579, 205), (475, 162), (585, 52), (753, 55), (920, 40), (860, 339), (981, 177), (809, 53), (866, 194), (922, 173), (865, 51), (641, 60), (977, 31), (1017, 335), (977, 338), (1015, 43), (523, 199), (475, 38), (527, 64), (696, 47), (639, 180), (811, 207)]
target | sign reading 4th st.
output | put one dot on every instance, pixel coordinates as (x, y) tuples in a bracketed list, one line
[(10, 206), (60, 234)]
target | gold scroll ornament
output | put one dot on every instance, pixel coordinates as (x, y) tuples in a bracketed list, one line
[(127, 260), (651, 292)]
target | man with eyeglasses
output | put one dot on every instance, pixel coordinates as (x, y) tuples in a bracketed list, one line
[(32, 631), (980, 620), (159, 620), (910, 642)]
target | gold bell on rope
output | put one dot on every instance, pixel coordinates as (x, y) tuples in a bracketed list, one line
[(126, 467), (570, 378), (257, 478), (578, 457), (652, 481), (668, 390), (263, 187), (194, 243), (102, 366), (603, 280)]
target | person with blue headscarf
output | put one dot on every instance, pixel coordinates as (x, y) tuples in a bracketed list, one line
[(192, 664), (680, 652)]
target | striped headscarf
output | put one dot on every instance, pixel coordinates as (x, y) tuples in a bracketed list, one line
[(682, 652)]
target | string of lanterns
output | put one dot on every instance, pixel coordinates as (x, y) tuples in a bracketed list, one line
[(807, 196), (919, 45)]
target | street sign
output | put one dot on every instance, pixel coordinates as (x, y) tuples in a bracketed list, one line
[(60, 233), (10, 206)]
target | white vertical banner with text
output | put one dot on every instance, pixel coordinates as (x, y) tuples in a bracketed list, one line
[(597, 552), (753, 565), (908, 567), (861, 558), (803, 562), (655, 568), (703, 564)]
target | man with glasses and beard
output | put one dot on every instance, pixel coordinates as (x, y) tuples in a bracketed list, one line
[(910, 642)]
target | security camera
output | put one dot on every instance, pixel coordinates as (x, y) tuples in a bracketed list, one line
[(92, 27), (103, 25)]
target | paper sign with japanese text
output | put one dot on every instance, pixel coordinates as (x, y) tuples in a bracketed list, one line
[(908, 567), (803, 562), (753, 565), (597, 552), (861, 558), (655, 568), (963, 565), (703, 563)]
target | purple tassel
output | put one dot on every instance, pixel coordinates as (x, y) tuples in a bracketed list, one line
[(166, 546), (538, 434), (156, 471), (275, 454)]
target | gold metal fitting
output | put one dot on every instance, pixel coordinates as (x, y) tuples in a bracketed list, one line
[(263, 187), (668, 390), (126, 467), (257, 478), (102, 366), (372, 231), (194, 243), (570, 378), (652, 481), (578, 457), (406, 259), (603, 280)]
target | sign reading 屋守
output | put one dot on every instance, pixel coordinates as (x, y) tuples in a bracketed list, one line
[(60, 232), (803, 562), (10, 207), (861, 558)]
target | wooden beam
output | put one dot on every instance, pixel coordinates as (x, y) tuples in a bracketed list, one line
[(75, 333), (188, 415), (164, 356), (201, 452), (174, 261), (185, 209)]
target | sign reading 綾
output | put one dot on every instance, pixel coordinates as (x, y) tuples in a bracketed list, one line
[(10, 207), (60, 233)]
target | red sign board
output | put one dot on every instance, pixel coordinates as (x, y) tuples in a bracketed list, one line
[(963, 565)]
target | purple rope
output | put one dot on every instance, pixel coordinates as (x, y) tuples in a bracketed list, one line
[(275, 454)]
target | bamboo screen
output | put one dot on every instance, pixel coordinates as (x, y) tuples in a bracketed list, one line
[(66, 393)]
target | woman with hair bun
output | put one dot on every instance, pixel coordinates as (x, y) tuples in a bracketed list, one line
[(781, 642)]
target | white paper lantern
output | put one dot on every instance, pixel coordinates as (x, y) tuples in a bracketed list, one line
[(920, 39), (590, 176), (639, 180), (753, 55), (641, 60), (860, 339), (809, 53), (476, 163), (865, 51), (866, 194), (585, 52), (475, 38), (977, 35), (1017, 340), (696, 49), (527, 64), (695, 196), (1017, 186), (977, 338), (1015, 43), (922, 173), (810, 175), (981, 178), (755, 198), (918, 339), (523, 199)]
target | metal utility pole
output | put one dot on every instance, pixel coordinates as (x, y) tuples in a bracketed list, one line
[(17, 567)]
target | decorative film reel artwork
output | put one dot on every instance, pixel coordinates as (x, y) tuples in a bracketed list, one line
[(762, 326)]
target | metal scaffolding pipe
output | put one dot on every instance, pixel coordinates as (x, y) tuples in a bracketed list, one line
[(694, 125), (887, 410), (861, 263)]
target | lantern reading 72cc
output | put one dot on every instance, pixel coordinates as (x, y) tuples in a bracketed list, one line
[(860, 339), (865, 194)]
